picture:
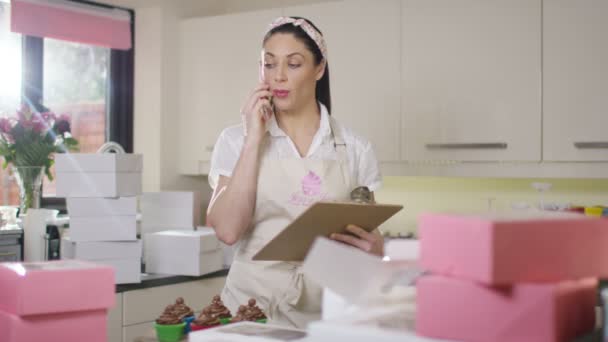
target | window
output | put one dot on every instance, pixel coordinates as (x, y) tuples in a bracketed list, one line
[(10, 68), (75, 82), (90, 83), (10, 91)]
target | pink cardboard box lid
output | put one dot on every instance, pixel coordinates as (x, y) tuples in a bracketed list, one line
[(55, 286), (89, 326), (451, 308), (503, 249)]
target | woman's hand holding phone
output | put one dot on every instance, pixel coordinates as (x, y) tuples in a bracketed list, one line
[(256, 111)]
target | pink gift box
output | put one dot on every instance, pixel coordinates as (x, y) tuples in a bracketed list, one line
[(89, 326), (455, 309), (511, 248), (56, 286)]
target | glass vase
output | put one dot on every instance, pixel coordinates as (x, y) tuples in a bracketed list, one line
[(29, 180)]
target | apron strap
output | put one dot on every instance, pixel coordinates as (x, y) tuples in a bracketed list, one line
[(339, 143), (340, 147)]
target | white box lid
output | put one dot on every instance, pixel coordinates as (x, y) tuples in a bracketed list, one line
[(203, 239), (95, 207), (98, 162), (362, 276), (101, 250)]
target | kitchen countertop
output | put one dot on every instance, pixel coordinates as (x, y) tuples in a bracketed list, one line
[(154, 280)]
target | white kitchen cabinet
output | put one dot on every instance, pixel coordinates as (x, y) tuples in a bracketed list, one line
[(115, 320), (363, 42), (575, 80), (471, 80), (146, 305), (219, 65), (136, 310), (139, 332)]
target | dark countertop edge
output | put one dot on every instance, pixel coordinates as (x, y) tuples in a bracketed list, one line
[(169, 280)]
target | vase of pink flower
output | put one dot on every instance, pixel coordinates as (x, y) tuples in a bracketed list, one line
[(28, 143)]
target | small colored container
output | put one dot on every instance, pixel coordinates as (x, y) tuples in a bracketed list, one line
[(188, 320), (195, 327), (594, 211), (225, 320), (169, 332)]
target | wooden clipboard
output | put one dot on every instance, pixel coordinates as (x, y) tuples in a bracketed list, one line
[(323, 219)]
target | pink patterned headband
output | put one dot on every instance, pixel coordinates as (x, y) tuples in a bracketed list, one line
[(304, 25)]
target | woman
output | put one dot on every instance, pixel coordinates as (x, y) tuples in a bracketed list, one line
[(287, 154)]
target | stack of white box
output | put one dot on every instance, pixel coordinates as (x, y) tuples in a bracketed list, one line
[(169, 210), (101, 193), (183, 252), (171, 243)]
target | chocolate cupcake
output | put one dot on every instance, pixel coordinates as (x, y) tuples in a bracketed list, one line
[(251, 312), (212, 315), (170, 326), (181, 309)]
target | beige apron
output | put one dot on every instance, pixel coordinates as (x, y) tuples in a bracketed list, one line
[(286, 187)]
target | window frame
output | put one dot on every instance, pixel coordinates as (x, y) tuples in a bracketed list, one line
[(120, 90)]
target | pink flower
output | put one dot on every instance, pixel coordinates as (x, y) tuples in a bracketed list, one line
[(39, 126), (62, 125), (27, 124), (48, 116), (25, 113), (5, 125), (9, 138), (64, 117)]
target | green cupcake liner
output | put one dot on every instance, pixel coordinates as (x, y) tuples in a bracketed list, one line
[(225, 320), (170, 332)]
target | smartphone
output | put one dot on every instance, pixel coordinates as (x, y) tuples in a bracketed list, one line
[(268, 111)]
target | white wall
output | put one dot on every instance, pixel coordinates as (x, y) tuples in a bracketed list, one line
[(156, 92), (148, 94)]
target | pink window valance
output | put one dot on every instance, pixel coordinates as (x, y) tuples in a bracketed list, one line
[(76, 22)]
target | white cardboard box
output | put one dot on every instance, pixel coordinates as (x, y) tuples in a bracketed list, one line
[(98, 174), (178, 252), (96, 207), (100, 184), (361, 275), (248, 332), (110, 228), (324, 331), (98, 162), (170, 210), (402, 249), (126, 271), (100, 250), (126, 262), (372, 302)]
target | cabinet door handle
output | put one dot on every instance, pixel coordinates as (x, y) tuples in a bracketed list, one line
[(467, 146), (591, 144), (5, 254)]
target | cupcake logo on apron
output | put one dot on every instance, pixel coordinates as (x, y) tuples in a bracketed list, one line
[(310, 191)]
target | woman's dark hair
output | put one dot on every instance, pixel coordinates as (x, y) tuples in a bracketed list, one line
[(322, 93)]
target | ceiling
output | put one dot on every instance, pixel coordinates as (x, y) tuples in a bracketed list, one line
[(196, 8)]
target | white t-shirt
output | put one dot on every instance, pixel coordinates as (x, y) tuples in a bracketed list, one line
[(362, 161)]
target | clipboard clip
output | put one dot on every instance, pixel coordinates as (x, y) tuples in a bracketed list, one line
[(361, 194)]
